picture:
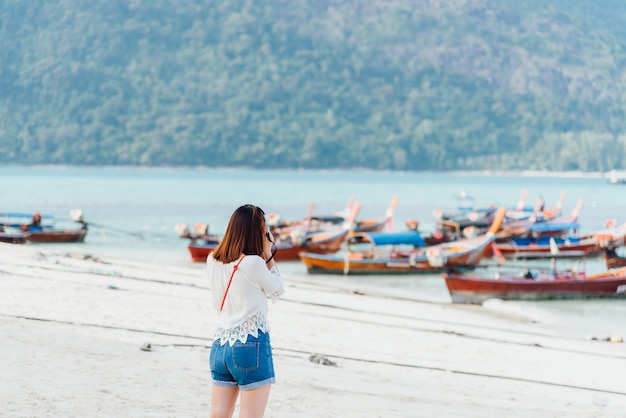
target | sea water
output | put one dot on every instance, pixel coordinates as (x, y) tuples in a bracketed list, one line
[(133, 213)]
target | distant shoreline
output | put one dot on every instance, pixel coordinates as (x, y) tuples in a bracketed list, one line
[(521, 173)]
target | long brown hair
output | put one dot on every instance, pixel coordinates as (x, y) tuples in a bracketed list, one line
[(244, 234)]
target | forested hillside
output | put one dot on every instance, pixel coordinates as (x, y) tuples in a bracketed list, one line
[(393, 84)]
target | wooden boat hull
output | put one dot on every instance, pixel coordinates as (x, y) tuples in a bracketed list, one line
[(370, 226), (613, 260), (14, 238), (40, 228), (423, 261), (474, 289), (58, 235), (332, 264), (582, 248), (199, 251)]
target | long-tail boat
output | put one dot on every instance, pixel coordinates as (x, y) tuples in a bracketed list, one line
[(528, 285), (544, 247), (332, 222), (40, 228), (383, 257), (570, 246), (539, 225), (318, 242), (288, 246), (518, 218)]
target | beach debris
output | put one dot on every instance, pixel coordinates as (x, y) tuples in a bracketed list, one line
[(40, 256), (113, 287), (612, 339), (320, 359), (89, 257), (146, 347)]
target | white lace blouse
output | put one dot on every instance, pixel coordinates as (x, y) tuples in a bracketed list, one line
[(245, 306)]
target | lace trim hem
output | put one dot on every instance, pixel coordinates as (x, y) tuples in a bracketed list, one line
[(240, 332)]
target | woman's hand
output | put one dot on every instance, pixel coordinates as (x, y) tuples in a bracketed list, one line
[(267, 245)]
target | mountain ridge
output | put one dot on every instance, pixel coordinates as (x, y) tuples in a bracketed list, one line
[(418, 85)]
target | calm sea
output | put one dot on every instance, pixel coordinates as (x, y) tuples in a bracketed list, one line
[(134, 211)]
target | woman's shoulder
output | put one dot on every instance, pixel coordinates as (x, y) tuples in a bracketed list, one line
[(253, 261), (250, 261), (212, 262)]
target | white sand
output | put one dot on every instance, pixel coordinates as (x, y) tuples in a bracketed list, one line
[(71, 331)]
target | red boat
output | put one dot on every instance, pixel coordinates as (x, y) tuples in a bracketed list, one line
[(571, 247), (568, 284), (289, 243), (323, 242), (40, 228), (560, 247), (58, 235), (200, 249)]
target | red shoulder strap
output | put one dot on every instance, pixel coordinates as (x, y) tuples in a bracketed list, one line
[(230, 281)]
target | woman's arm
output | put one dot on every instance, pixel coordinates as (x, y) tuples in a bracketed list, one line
[(267, 276)]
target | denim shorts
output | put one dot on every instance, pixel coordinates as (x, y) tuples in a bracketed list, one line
[(248, 365)]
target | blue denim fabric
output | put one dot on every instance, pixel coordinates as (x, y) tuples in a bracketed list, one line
[(248, 365)]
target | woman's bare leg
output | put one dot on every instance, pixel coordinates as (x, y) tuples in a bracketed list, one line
[(253, 402), (223, 401)]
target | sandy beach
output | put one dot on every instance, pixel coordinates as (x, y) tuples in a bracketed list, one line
[(72, 329)]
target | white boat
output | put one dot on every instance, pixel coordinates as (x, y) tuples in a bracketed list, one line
[(617, 176)]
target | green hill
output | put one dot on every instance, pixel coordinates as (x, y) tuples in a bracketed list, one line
[(405, 84)]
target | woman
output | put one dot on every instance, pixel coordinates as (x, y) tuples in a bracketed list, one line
[(243, 275)]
